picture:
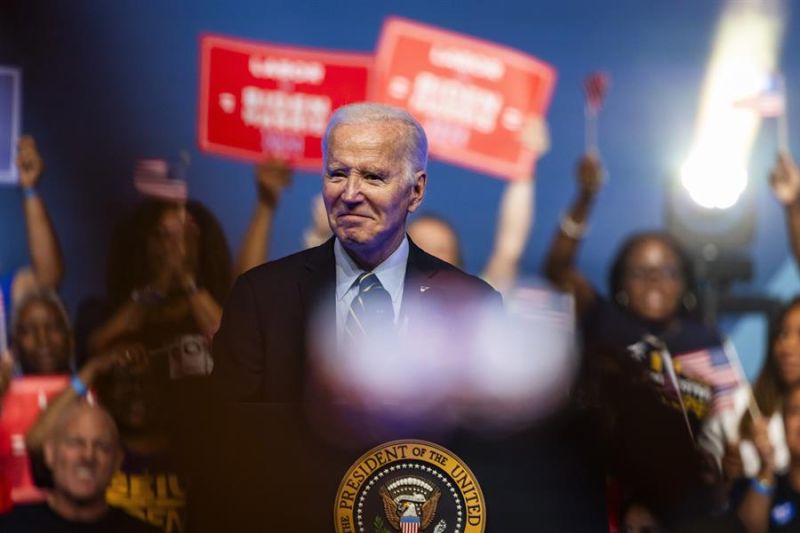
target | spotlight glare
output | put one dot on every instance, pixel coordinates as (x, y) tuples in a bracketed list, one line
[(745, 53), (714, 182)]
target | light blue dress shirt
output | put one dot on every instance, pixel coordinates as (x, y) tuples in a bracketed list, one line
[(391, 273)]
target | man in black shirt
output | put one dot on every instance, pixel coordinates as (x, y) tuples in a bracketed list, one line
[(83, 452)]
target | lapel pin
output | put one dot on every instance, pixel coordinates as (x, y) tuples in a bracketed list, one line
[(423, 288)]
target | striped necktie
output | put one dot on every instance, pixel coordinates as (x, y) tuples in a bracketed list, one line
[(371, 309)]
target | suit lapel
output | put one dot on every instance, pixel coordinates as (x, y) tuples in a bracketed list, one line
[(318, 284), (419, 270)]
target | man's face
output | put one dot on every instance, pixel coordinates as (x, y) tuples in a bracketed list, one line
[(366, 190), (84, 457)]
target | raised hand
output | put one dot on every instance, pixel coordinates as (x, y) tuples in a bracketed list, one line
[(785, 180), (535, 136), (590, 175), (29, 162), (272, 177)]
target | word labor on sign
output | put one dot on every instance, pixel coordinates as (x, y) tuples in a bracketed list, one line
[(260, 100)]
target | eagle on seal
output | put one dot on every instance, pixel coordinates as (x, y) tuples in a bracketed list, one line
[(404, 508)]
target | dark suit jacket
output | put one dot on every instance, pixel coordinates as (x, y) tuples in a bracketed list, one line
[(260, 350), (270, 471)]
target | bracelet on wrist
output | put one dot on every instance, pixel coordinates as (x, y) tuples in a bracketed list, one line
[(573, 230), (763, 486), (78, 386), (29, 192)]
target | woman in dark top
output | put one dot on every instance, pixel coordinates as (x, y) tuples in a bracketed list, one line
[(641, 429), (648, 312)]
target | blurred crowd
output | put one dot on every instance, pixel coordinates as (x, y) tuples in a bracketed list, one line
[(101, 411)]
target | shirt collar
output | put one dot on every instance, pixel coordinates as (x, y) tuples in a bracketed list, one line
[(391, 272)]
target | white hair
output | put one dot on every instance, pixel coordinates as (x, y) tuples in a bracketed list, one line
[(415, 140)]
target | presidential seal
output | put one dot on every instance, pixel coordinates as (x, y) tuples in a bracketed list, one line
[(409, 486)]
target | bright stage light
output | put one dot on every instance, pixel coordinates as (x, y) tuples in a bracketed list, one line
[(744, 56), (714, 180)]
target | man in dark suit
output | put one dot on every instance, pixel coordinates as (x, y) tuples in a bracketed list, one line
[(283, 474)]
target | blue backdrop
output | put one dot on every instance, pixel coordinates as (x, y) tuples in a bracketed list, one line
[(106, 83)]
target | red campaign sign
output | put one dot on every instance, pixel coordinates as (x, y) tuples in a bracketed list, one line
[(259, 100), (21, 405), (477, 101)]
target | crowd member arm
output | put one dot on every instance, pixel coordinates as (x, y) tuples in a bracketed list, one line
[(515, 220), (754, 509), (785, 181), (272, 177), (560, 262), (47, 263), (83, 382), (513, 230)]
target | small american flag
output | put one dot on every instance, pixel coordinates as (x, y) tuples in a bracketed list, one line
[(770, 102), (151, 178), (713, 366), (409, 524), (596, 87)]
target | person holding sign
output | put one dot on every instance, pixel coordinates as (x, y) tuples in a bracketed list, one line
[(272, 177), (515, 222)]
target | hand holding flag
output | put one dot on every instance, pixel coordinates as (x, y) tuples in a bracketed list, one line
[(595, 86), (151, 178), (770, 102), (785, 180), (719, 367)]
